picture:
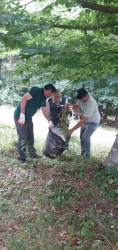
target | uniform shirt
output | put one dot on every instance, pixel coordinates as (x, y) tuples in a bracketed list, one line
[(53, 101), (90, 110), (38, 100), (55, 109)]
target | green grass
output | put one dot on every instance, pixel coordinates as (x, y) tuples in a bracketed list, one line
[(61, 204)]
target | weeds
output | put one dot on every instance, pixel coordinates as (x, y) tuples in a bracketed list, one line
[(68, 203)]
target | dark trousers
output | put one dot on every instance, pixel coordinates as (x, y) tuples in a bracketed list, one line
[(86, 131), (25, 138)]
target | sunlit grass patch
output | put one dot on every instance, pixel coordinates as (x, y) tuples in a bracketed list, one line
[(8, 136)]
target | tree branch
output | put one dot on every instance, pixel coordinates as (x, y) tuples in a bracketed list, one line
[(98, 7), (83, 66), (54, 37), (95, 27), (27, 3), (89, 63), (63, 26), (114, 32)]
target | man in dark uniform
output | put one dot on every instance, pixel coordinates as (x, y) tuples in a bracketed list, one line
[(56, 138), (54, 106), (34, 99)]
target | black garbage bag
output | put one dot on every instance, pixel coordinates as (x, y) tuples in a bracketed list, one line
[(54, 145)]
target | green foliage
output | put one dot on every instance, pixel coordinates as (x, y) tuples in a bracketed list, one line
[(72, 42), (62, 41), (11, 89), (104, 89), (107, 179)]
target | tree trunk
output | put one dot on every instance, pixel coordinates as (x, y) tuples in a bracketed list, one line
[(112, 158), (116, 121)]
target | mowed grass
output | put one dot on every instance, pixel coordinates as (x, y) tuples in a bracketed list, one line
[(65, 203)]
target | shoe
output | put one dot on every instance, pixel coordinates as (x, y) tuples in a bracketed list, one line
[(80, 155), (50, 156), (35, 156), (84, 156), (22, 160)]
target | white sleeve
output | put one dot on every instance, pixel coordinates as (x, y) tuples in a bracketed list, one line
[(66, 102), (48, 107)]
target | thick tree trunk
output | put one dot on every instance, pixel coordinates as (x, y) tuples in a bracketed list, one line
[(112, 158), (116, 121)]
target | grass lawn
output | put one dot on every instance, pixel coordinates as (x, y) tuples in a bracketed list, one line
[(61, 204)]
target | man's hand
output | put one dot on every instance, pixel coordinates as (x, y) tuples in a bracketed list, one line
[(21, 120), (50, 125), (75, 107), (78, 125)]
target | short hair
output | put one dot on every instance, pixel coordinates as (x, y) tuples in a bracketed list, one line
[(58, 91), (50, 87), (81, 93)]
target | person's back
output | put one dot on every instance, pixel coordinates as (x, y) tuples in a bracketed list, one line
[(32, 105)]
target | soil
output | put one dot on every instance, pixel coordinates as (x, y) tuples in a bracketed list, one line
[(108, 122)]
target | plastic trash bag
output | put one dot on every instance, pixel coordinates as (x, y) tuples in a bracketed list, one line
[(55, 145)]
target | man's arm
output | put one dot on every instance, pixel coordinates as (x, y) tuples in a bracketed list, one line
[(45, 113), (78, 125), (24, 100), (75, 107)]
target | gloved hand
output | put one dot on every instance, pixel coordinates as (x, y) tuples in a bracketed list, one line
[(21, 120), (50, 125)]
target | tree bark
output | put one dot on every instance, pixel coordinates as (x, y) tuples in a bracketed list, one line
[(116, 121), (112, 158), (99, 7)]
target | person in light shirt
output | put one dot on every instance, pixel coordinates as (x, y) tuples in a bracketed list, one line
[(89, 122)]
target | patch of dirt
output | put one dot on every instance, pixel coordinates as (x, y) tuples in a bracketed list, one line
[(108, 122)]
